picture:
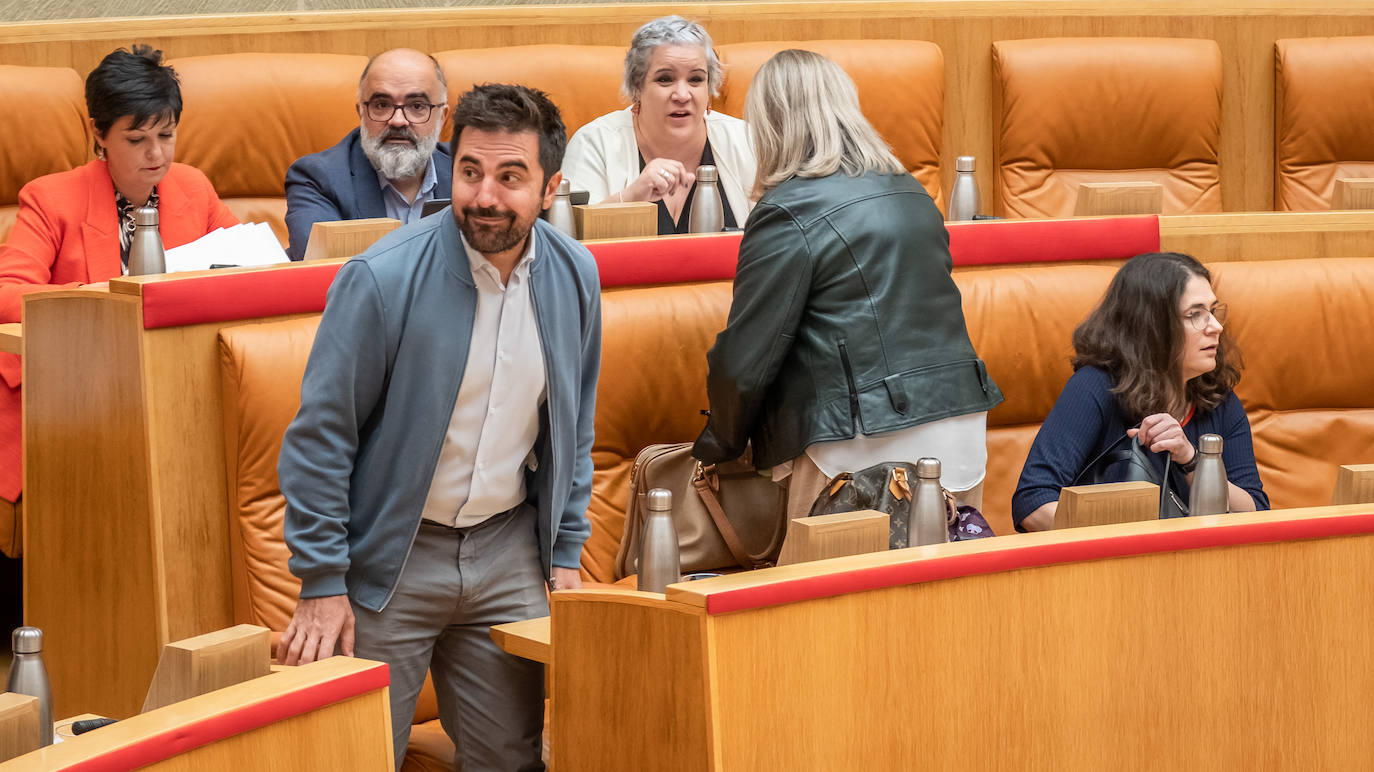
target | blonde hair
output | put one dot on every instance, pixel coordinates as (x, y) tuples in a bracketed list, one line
[(804, 121)]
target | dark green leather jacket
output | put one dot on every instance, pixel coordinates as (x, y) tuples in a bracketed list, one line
[(845, 320)]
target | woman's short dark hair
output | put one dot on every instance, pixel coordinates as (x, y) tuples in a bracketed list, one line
[(132, 83), (1136, 335), (500, 107)]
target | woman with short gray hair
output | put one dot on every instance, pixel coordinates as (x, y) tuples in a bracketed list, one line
[(650, 151)]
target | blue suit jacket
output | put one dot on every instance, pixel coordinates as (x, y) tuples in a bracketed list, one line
[(341, 184)]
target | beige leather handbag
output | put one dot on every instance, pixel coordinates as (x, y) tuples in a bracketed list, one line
[(726, 515)]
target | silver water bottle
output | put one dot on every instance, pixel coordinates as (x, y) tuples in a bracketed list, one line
[(1208, 494), (560, 214), (928, 518), (28, 676), (963, 198), (145, 248), (659, 563), (707, 216)]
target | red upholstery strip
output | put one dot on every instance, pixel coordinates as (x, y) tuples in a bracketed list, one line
[(230, 296), (1050, 241), (860, 580), (164, 745), (667, 260)]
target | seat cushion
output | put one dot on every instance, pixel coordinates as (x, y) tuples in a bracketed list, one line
[(901, 85), (584, 81), (247, 117), (48, 134), (1323, 109), (1075, 110)]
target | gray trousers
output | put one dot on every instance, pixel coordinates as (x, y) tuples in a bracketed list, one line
[(456, 584)]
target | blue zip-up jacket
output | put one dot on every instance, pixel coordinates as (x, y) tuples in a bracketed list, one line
[(379, 389)]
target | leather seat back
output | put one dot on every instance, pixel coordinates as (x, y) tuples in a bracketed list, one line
[(1323, 110), (45, 131), (584, 81), (1075, 110), (901, 85), (247, 117)]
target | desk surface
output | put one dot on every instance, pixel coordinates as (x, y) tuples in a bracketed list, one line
[(529, 639), (11, 337)]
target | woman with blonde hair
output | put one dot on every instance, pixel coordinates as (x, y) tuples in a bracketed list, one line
[(846, 345)]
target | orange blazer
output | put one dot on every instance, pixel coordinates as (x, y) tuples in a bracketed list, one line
[(67, 234)]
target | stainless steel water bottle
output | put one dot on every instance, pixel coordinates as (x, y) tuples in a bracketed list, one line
[(145, 249), (28, 676), (707, 216), (928, 516), (659, 562), (963, 198), (1208, 493), (560, 214)]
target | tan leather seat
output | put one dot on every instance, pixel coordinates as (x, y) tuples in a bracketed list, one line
[(901, 86), (261, 366), (584, 81), (247, 117), (1075, 110), (1323, 112), (44, 131)]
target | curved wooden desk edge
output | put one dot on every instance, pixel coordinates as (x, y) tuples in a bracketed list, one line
[(160, 734), (837, 576)]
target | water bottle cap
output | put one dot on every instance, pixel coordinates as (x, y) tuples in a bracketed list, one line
[(1209, 443), (660, 500), (928, 469), (27, 640), (963, 163), (145, 215), (565, 187), (706, 173)]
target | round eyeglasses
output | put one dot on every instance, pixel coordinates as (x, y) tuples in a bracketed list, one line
[(1200, 317), (383, 110)]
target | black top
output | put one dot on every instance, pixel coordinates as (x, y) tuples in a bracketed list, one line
[(1086, 419), (666, 226)]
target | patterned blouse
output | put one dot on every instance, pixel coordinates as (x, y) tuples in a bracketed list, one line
[(126, 223)]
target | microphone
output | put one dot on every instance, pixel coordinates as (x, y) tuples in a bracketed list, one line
[(82, 727)]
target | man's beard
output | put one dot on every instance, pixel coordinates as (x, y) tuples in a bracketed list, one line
[(399, 161), (490, 241)]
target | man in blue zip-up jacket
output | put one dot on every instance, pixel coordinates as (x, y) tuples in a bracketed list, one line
[(438, 472)]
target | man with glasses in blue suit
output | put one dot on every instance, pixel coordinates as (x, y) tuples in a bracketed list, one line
[(387, 167)]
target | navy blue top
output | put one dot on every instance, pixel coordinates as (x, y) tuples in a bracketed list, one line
[(1087, 419)]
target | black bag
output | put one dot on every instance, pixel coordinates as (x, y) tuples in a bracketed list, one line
[(1108, 467), (885, 488)]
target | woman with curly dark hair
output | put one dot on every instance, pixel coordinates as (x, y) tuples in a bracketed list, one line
[(1151, 362)]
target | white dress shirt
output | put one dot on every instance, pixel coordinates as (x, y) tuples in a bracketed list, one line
[(959, 442), (495, 421)]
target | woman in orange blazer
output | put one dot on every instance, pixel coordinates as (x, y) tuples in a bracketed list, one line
[(73, 227)]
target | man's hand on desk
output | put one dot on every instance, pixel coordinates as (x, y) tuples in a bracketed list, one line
[(316, 626), (566, 579)]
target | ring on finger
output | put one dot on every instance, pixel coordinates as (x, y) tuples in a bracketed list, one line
[(667, 175)]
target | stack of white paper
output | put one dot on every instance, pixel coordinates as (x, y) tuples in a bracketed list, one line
[(247, 244)]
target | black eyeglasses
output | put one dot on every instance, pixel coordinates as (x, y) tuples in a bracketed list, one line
[(1199, 317), (415, 111)]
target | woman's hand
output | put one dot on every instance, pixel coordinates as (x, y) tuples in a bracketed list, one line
[(661, 177), (1162, 431)]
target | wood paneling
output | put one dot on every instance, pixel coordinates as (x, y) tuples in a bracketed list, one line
[(90, 581), (18, 724), (964, 29), (1126, 502), (1215, 238), (1248, 656), (657, 705), (208, 662), (11, 337)]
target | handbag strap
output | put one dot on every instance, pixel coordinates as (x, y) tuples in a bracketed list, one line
[(702, 482), (713, 508)]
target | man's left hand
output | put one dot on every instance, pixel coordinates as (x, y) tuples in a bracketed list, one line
[(566, 579)]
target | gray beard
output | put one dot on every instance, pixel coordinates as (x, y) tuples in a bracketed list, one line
[(398, 162)]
